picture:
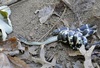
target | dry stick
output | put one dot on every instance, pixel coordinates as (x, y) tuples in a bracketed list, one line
[(17, 2), (53, 25)]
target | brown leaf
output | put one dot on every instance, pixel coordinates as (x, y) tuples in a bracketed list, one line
[(13, 39), (18, 62), (13, 42), (4, 61), (10, 44)]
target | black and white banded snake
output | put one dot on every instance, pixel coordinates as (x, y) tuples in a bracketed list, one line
[(73, 37)]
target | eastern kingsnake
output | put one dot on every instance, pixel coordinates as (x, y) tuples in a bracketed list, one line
[(73, 37)]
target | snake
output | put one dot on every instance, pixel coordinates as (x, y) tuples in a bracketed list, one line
[(74, 37), (48, 41)]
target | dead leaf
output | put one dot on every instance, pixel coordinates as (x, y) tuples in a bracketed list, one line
[(4, 61), (45, 13), (18, 62), (10, 44), (41, 60), (87, 54), (13, 42), (13, 63)]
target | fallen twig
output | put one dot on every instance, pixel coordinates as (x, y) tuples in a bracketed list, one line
[(16, 2)]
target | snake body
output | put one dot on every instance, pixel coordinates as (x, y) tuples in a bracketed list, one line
[(74, 37), (49, 40)]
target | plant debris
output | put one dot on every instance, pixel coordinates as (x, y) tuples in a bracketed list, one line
[(4, 61), (18, 62), (69, 13), (11, 62), (42, 60), (87, 55), (45, 13), (10, 48)]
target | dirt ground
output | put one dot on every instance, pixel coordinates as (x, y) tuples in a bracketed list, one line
[(27, 24)]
